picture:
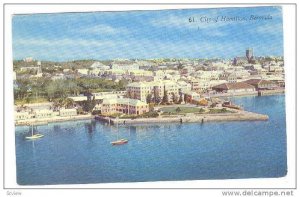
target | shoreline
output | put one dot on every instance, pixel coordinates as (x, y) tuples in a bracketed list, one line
[(45, 121), (191, 118), (238, 116), (254, 93)]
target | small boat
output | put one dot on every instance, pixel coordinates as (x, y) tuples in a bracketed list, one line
[(119, 142), (34, 136)]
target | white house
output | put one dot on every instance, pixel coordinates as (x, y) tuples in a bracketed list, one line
[(67, 112)]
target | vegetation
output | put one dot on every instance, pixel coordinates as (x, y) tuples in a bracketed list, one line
[(150, 114), (180, 97), (96, 112), (178, 110), (165, 98), (56, 66), (216, 111), (30, 100), (149, 98), (184, 110), (30, 90), (89, 104), (63, 102), (201, 110)]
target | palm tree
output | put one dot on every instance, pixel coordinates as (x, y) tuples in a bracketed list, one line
[(68, 102)]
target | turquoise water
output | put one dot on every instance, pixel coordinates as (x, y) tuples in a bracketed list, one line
[(80, 151)]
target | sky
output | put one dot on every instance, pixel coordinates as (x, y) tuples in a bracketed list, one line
[(148, 34)]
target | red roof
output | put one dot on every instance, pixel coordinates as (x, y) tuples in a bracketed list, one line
[(258, 81), (231, 86)]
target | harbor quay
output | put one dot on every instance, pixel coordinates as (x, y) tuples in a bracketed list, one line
[(234, 115), (189, 118), (43, 121)]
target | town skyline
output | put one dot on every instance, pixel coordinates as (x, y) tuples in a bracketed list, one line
[(146, 35)]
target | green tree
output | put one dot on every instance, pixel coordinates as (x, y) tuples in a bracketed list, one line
[(122, 84), (68, 103), (149, 98), (51, 91), (175, 98), (201, 110), (223, 110), (89, 104), (180, 66), (185, 98), (156, 96), (180, 97), (21, 91), (56, 89), (165, 97)]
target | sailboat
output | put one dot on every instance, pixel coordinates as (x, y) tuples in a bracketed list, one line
[(119, 141), (34, 136)]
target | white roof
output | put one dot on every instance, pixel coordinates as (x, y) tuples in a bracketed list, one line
[(125, 101), (97, 65), (43, 111), (65, 110), (78, 98)]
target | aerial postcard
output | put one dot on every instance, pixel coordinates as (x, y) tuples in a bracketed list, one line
[(149, 95)]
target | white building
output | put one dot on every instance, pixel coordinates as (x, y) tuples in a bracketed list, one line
[(99, 65), (58, 77), (184, 86), (67, 112), (125, 66), (83, 71), (45, 113), (22, 116), (141, 90), (28, 59), (123, 105)]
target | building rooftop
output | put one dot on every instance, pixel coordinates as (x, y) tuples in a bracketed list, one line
[(257, 81), (124, 101), (232, 86)]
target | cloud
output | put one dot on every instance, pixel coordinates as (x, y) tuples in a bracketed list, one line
[(141, 48), (159, 34), (181, 23), (269, 28), (65, 42), (104, 29), (172, 21)]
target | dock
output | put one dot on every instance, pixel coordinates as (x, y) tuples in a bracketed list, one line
[(270, 92)]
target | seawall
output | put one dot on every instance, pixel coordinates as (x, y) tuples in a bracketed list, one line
[(201, 118), (43, 121)]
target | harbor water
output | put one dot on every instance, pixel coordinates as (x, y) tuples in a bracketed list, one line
[(76, 152)]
